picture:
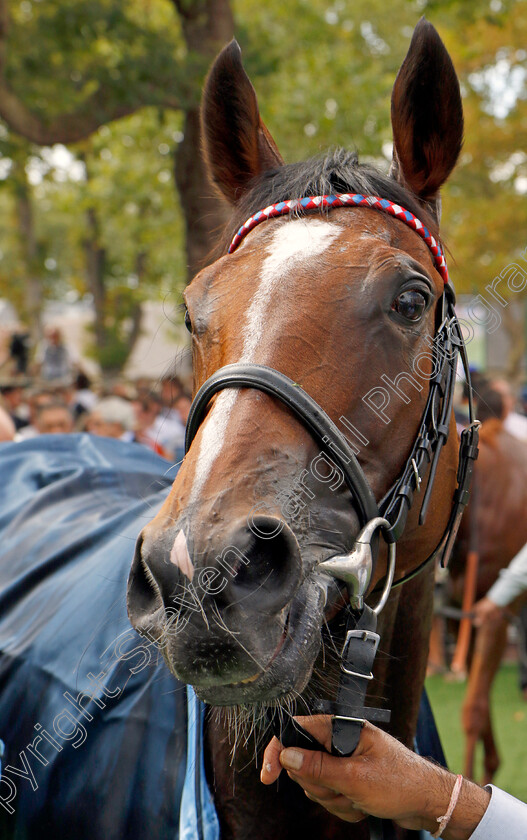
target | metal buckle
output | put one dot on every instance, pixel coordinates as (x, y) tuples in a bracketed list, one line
[(356, 674), (364, 636), (416, 474)]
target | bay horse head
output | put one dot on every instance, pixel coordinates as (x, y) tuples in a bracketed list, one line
[(346, 301)]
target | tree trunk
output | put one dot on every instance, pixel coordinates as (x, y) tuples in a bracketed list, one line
[(137, 313), (33, 296), (95, 266), (207, 26), (204, 211)]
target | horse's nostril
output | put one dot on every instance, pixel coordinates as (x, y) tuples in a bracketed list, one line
[(266, 560), (267, 565), (143, 593)]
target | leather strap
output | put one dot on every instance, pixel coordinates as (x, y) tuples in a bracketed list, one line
[(308, 411), (358, 655), (289, 732), (433, 432)]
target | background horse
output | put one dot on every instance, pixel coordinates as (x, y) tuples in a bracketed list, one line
[(494, 529), (346, 304)]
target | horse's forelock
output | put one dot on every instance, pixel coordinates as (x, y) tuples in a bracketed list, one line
[(337, 171)]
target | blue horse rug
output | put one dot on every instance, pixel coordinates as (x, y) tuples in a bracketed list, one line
[(100, 741)]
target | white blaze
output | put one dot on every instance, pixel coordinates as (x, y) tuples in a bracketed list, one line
[(294, 242)]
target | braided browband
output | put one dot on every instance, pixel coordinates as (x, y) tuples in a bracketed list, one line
[(327, 202)]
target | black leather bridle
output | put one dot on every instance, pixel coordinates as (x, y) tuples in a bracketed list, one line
[(433, 433), (389, 515)]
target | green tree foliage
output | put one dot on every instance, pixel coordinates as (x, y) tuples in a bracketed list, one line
[(123, 80), (331, 84), (69, 67), (89, 75), (109, 208)]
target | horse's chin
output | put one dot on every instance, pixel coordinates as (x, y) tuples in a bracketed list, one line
[(291, 665)]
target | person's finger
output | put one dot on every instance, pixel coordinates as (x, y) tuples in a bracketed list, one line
[(341, 807), (479, 613), (321, 768), (271, 768), (486, 610), (318, 792), (319, 726), (313, 767)]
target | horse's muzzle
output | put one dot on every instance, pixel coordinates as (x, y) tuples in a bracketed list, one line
[(179, 586)]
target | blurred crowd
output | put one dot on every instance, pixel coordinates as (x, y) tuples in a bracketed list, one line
[(51, 394), (56, 396)]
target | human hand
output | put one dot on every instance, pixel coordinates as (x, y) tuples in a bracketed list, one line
[(275, 757), (382, 778), (485, 610)]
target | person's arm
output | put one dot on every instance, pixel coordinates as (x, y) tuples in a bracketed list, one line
[(382, 779), (511, 582)]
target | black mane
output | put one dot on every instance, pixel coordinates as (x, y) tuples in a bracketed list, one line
[(337, 171)]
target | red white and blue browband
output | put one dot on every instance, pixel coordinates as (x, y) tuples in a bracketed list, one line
[(326, 202)]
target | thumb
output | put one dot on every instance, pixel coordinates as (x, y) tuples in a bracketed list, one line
[(320, 768)]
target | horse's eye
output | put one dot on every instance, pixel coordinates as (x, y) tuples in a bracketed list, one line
[(188, 322), (410, 305)]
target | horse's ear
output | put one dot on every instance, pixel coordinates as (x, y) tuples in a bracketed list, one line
[(237, 145), (427, 116)]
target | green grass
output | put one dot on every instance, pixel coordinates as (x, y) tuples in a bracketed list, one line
[(509, 715)]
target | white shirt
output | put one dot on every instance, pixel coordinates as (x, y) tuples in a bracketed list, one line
[(504, 819), (516, 425), (511, 582)]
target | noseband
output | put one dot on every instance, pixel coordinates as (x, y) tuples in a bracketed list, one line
[(391, 513)]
